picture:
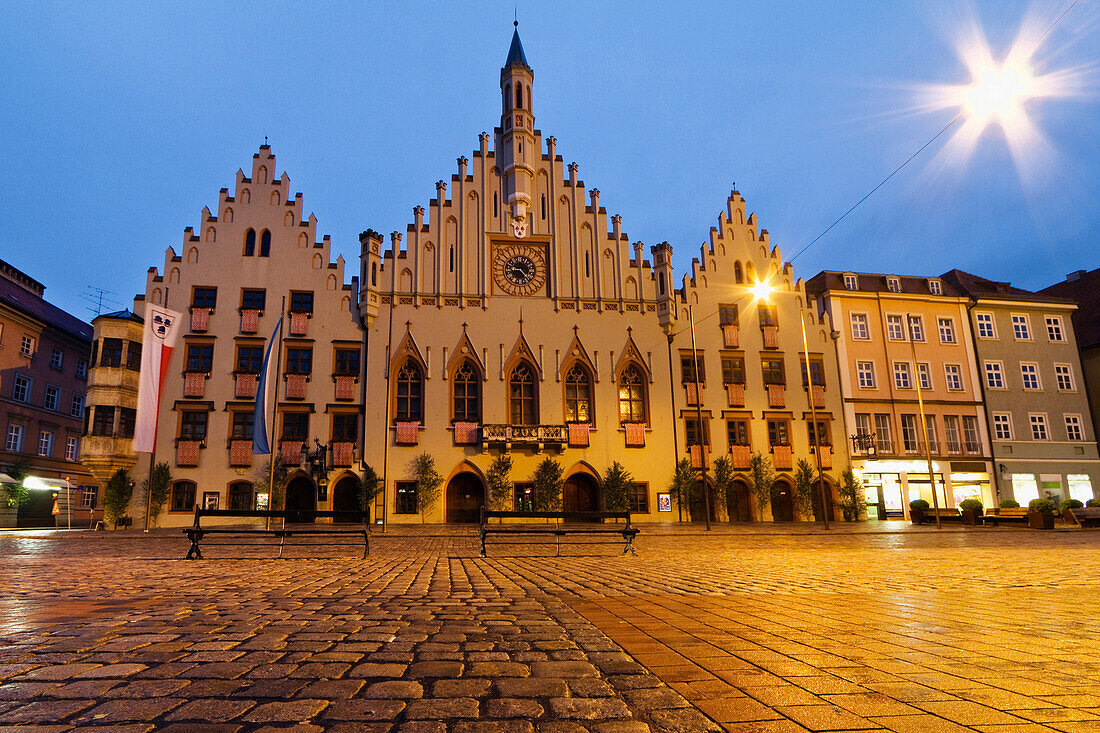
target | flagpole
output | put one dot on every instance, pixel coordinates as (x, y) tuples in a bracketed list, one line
[(153, 454), (274, 408)]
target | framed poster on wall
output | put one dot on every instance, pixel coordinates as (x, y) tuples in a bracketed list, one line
[(210, 499), (664, 502)]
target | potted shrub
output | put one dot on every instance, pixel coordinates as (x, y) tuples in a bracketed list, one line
[(1040, 514), (1009, 504), (917, 508), (1068, 504), (1093, 503), (971, 510)]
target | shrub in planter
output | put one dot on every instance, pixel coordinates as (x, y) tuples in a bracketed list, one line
[(971, 510), (1040, 514), (1093, 503), (1009, 504), (1041, 505), (917, 508), (1070, 504)]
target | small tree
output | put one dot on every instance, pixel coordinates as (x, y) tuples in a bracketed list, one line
[(428, 483), (852, 501), (723, 481), (262, 481), (116, 497), (682, 486), (369, 487), (500, 483), (158, 489), (546, 486), (761, 480), (804, 487), (16, 492), (617, 486)]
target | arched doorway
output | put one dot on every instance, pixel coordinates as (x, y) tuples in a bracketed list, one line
[(345, 497), (782, 502), (301, 496), (581, 493), (828, 499), (465, 497), (738, 504), (698, 496)]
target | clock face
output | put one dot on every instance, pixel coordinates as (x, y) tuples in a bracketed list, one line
[(519, 269)]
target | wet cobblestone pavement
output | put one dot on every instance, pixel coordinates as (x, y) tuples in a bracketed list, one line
[(755, 628)]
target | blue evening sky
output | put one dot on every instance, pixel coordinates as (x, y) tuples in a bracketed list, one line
[(122, 120)]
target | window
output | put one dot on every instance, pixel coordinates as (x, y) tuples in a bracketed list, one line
[(727, 314), (347, 362), (935, 287), (265, 244), (200, 358), (406, 497), (1021, 328), (127, 419), (884, 442), (903, 377), (249, 359), (72, 449), (916, 327), (947, 330), (53, 397), (253, 299), (578, 395), (970, 434), (295, 426), (345, 427), (301, 301), (691, 431), (952, 374), (523, 493), (133, 356), (467, 394), (688, 374), (21, 391), (772, 370), (909, 438), (893, 285), (522, 395), (14, 441), (240, 496), (1073, 428), (733, 370), (1064, 374), (639, 498), (250, 243), (56, 359), (299, 361), (1038, 426), (895, 329), (737, 431), (26, 346), (631, 396), (103, 420), (824, 435), (1030, 374), (933, 441), (951, 431), (1055, 332), (924, 374), (768, 316), (410, 391), (204, 298), (1002, 425), (110, 354), (863, 425), (860, 332), (986, 329), (192, 424), (994, 375), (779, 432), (76, 407), (45, 443), (851, 282), (243, 422), (817, 371), (81, 369), (183, 496)]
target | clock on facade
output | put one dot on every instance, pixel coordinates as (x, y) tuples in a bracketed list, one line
[(519, 270)]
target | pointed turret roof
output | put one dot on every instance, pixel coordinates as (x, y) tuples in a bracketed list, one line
[(515, 52)]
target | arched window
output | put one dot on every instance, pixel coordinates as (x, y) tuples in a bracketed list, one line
[(240, 496), (265, 244), (587, 262), (250, 243), (578, 395), (661, 282), (523, 408), (738, 276), (467, 394), (519, 96), (410, 391), (374, 274), (183, 496), (507, 97), (275, 200), (452, 258), (632, 395)]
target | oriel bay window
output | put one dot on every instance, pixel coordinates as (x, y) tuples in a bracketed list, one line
[(409, 393), (110, 353), (103, 420), (632, 396), (523, 406), (578, 395), (466, 385)]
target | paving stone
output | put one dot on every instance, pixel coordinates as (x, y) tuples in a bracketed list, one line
[(494, 726), (296, 710), (364, 709), (124, 711), (395, 689), (331, 689), (435, 669), (681, 719), (588, 709), (214, 711), (44, 712), (533, 687), (374, 669), (513, 707), (497, 669), (442, 708)]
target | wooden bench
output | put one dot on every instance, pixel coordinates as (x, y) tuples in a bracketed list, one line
[(588, 523), (1085, 516), (1007, 514), (946, 515), (196, 532)]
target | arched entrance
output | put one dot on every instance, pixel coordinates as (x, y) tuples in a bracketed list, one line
[(345, 497), (738, 504), (828, 499), (782, 502), (301, 496), (698, 496), (581, 493), (465, 497)]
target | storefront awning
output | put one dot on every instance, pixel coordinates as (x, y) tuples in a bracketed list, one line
[(46, 484), (6, 479)]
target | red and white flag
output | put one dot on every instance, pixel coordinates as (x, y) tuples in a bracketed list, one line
[(158, 340)]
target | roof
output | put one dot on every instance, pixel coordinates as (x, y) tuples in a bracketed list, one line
[(981, 288), (1083, 289), (15, 296), (871, 282), (122, 314), (515, 53)]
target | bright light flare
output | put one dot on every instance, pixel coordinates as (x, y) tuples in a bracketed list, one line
[(998, 94), (761, 291)]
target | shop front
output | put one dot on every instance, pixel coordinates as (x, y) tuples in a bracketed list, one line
[(890, 485)]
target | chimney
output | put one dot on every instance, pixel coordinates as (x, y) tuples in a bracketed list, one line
[(1074, 276)]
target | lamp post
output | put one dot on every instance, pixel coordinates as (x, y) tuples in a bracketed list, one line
[(909, 319), (813, 418), (699, 418), (316, 459)]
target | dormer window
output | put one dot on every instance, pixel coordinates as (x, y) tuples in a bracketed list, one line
[(893, 285), (851, 282), (935, 287)]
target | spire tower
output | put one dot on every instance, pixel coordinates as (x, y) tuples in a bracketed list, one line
[(517, 126)]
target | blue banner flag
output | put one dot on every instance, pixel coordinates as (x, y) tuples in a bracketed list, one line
[(265, 389)]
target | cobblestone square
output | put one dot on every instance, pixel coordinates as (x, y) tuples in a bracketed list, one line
[(747, 628)]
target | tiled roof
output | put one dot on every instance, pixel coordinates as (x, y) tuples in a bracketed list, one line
[(15, 296), (979, 287), (871, 282), (1085, 291)]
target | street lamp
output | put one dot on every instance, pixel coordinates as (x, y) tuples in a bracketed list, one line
[(909, 320), (317, 460)]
